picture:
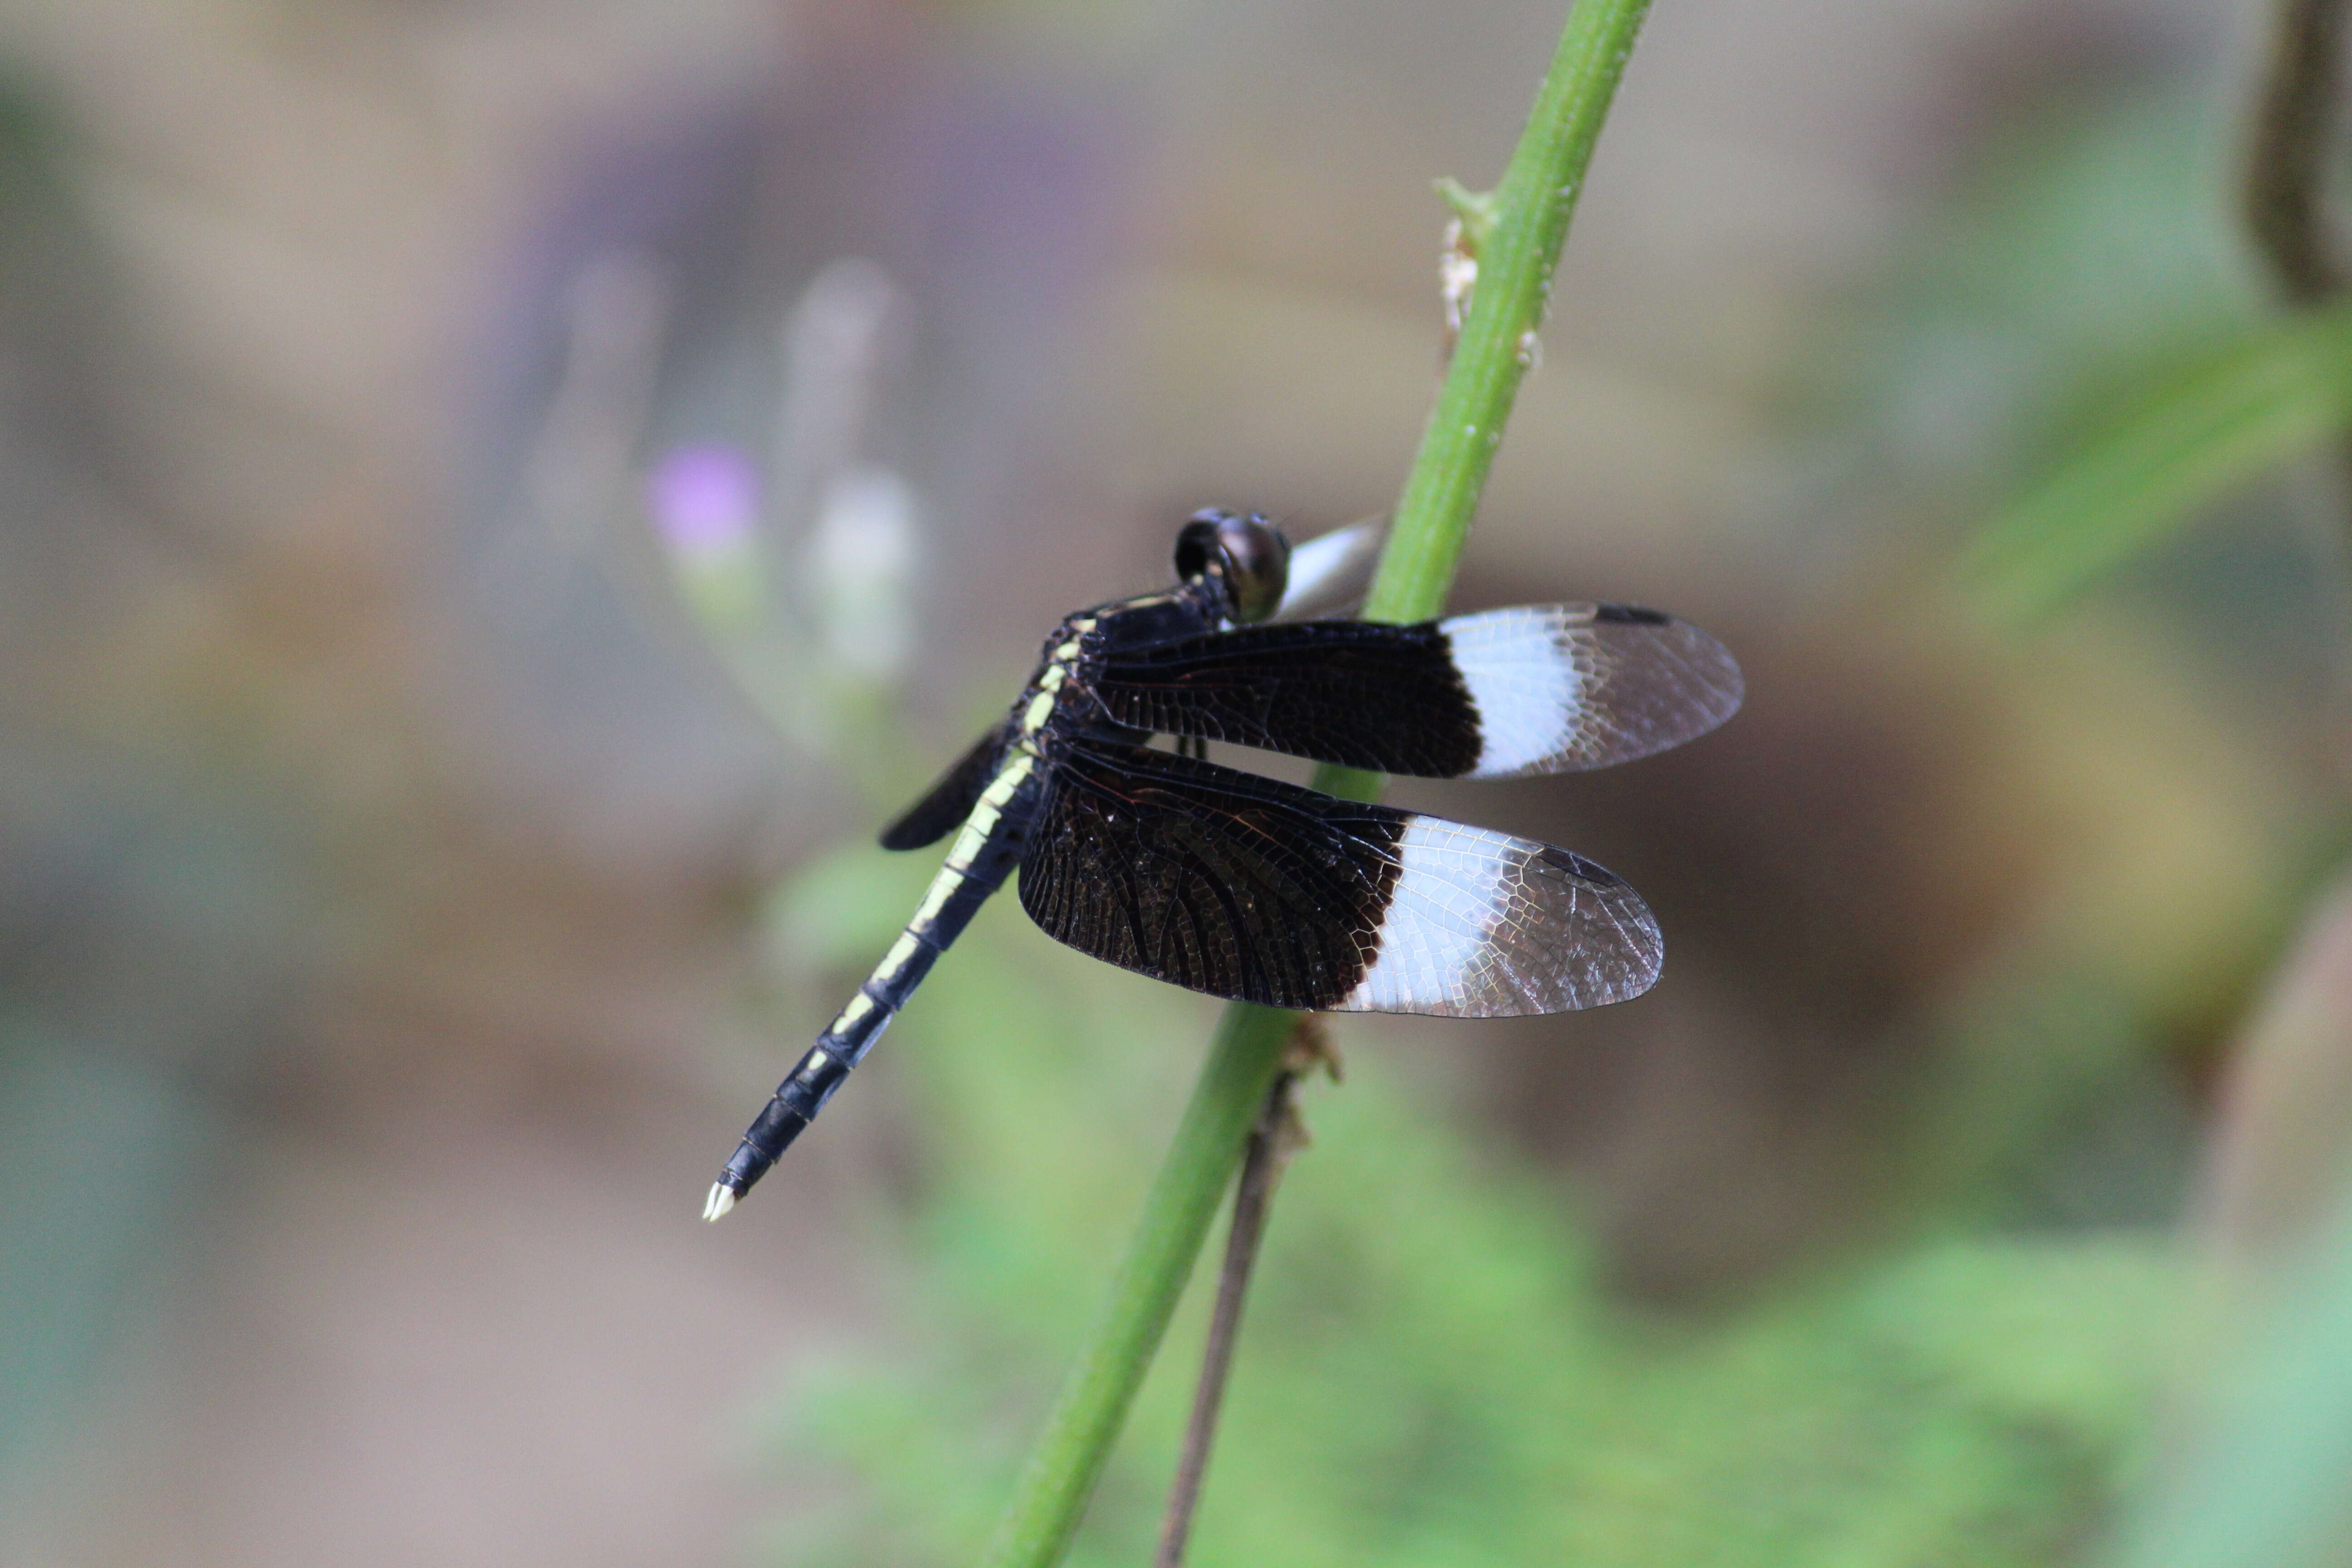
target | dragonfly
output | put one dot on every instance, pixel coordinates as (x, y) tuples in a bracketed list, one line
[(1244, 887)]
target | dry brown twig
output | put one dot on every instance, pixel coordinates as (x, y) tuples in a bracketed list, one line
[(1276, 1136)]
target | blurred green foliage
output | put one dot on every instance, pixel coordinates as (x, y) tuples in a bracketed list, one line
[(2085, 334), (2091, 257), (2235, 416), (2263, 1483), (1430, 1373)]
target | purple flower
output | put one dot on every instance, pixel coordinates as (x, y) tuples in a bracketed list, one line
[(705, 499)]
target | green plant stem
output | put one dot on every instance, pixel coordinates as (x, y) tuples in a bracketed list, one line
[(1517, 257), (1244, 1058), (1516, 261)]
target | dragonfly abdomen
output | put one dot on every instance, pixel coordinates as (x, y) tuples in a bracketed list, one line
[(983, 855)]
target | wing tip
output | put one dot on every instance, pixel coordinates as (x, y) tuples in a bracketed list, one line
[(1642, 950), (1671, 682), (1686, 643)]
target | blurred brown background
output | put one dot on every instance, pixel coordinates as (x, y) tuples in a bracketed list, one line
[(383, 837)]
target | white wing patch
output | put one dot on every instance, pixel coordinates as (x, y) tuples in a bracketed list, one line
[(1522, 675), (1440, 920), (1483, 925), (1560, 687)]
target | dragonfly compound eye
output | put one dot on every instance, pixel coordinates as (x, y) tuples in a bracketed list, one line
[(1246, 553)]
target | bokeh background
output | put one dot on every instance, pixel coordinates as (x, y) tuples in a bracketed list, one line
[(499, 499)]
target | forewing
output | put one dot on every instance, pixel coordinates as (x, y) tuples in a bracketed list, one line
[(1245, 888), (1543, 688), (1329, 573), (1369, 696), (945, 806)]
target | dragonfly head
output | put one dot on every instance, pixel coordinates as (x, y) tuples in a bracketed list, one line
[(1241, 559)]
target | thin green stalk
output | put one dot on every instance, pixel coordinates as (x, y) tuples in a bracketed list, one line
[(1518, 254), (1517, 246)]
